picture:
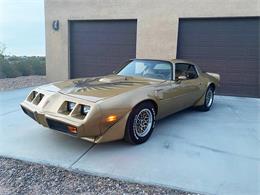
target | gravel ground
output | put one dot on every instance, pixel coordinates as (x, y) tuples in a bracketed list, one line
[(19, 177), (21, 82)]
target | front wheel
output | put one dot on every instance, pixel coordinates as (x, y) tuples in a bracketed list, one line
[(140, 123), (209, 98)]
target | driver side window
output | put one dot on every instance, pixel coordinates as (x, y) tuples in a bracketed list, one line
[(187, 70)]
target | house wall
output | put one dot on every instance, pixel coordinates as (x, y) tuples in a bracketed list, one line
[(157, 23)]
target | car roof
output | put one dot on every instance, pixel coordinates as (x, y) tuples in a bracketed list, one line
[(181, 61), (170, 60)]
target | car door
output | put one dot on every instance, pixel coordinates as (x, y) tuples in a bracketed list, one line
[(187, 84), (176, 95), (168, 99)]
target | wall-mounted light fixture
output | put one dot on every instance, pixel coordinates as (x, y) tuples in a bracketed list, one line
[(55, 25)]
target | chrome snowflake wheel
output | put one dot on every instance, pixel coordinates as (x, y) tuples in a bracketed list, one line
[(209, 97), (143, 122), (140, 123)]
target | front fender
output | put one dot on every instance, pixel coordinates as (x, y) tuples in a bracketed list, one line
[(115, 132), (123, 104)]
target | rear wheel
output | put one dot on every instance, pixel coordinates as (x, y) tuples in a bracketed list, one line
[(209, 98), (140, 123)]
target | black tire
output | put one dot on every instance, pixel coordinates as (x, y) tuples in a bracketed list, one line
[(207, 105), (132, 135)]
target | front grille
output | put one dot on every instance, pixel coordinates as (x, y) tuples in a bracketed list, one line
[(28, 112), (53, 124)]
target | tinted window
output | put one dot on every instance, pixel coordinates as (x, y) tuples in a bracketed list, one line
[(187, 70)]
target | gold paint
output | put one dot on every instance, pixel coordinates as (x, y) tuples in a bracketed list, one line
[(112, 98)]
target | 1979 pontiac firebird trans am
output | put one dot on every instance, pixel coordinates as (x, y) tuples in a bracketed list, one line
[(125, 104)]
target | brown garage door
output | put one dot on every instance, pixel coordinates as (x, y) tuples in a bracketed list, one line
[(99, 47), (229, 46)]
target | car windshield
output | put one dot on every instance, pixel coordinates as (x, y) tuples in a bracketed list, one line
[(155, 69)]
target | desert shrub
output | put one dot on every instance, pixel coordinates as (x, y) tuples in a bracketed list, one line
[(14, 66), (6, 70), (10, 71)]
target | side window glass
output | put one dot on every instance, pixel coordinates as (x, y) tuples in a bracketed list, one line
[(180, 70), (187, 70), (191, 72)]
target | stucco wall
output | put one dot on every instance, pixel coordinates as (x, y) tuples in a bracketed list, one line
[(157, 23)]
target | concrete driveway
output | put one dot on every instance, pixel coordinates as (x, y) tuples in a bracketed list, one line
[(216, 152)]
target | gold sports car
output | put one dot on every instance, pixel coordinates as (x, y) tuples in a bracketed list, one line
[(125, 104)]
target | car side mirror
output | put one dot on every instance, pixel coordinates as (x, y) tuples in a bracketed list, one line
[(182, 78), (114, 72)]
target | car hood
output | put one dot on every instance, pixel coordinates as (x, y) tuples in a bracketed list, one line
[(98, 88)]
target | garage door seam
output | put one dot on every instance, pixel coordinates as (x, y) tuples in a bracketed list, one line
[(78, 159)]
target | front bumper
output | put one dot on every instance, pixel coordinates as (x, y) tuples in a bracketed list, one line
[(115, 132), (52, 122)]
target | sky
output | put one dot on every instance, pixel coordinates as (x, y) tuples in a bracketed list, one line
[(22, 27)]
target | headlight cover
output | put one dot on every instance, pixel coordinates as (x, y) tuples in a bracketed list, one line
[(70, 106), (84, 110), (32, 96), (74, 109)]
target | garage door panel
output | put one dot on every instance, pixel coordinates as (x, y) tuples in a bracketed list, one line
[(99, 47), (101, 60), (96, 26), (237, 78), (97, 44), (220, 52), (101, 39), (235, 90), (83, 60), (228, 67), (222, 25), (229, 46)]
